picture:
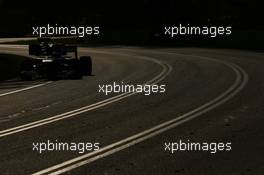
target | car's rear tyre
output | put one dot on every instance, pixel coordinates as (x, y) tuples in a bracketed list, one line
[(86, 65), (76, 69)]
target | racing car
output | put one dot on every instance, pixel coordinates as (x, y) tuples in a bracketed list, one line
[(55, 61)]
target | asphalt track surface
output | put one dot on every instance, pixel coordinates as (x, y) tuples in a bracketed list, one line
[(212, 95)]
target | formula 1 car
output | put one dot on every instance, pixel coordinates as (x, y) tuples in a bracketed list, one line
[(53, 61)]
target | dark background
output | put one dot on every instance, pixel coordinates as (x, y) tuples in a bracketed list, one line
[(144, 17)]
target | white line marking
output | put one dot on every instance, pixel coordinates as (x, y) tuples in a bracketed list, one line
[(241, 81), (166, 69), (24, 89)]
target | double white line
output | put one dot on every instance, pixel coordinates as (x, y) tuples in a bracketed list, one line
[(240, 82), (166, 69)]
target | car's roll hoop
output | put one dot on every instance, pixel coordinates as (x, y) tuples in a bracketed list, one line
[(46, 48)]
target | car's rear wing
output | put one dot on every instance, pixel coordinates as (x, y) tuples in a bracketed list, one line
[(51, 49)]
